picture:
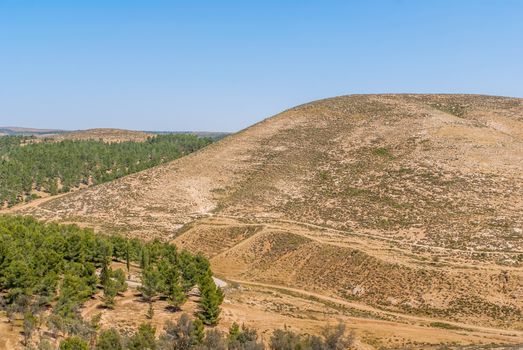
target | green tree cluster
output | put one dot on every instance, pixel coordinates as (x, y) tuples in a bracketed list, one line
[(171, 274), (54, 167), (59, 267)]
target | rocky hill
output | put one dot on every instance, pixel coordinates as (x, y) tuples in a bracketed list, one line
[(407, 204)]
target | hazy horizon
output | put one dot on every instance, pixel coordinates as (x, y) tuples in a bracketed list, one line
[(59, 129), (202, 66)]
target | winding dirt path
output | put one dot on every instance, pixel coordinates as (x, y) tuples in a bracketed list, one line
[(363, 307), (273, 224), (32, 204), (368, 243)]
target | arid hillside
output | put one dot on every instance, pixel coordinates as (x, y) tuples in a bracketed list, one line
[(407, 207), (410, 167)]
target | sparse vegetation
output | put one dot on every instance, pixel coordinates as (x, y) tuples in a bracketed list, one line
[(188, 334), (382, 152), (445, 325), (453, 108)]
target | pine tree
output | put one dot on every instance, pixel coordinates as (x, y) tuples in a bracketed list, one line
[(110, 292), (210, 300), (150, 283), (220, 295), (176, 296), (144, 258), (118, 278), (105, 273), (234, 332), (197, 332), (173, 289), (109, 286), (127, 259)]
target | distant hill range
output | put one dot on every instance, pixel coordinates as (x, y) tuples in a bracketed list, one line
[(211, 134), (13, 130), (105, 134)]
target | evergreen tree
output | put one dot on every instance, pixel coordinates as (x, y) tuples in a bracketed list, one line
[(127, 258), (234, 332), (109, 294), (176, 296), (105, 274), (150, 283), (119, 281), (197, 332), (210, 300), (173, 289), (144, 258)]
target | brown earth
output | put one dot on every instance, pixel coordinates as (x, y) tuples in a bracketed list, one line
[(266, 307), (404, 205)]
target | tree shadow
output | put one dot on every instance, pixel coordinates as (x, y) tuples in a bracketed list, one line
[(172, 308)]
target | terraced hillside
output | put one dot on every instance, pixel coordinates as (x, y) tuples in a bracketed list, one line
[(406, 206)]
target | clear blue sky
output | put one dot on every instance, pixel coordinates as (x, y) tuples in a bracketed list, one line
[(223, 65)]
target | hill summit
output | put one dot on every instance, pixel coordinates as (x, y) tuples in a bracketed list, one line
[(431, 164)]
